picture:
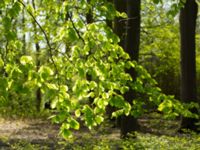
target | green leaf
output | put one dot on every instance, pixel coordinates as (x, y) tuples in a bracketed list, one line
[(24, 60), (10, 35), (52, 86), (87, 110), (124, 89), (130, 64), (99, 119), (74, 124), (1, 63), (15, 10), (123, 15), (66, 133), (118, 113), (7, 23), (127, 109), (77, 113), (165, 106), (117, 101), (81, 72), (156, 1), (54, 103), (45, 72), (88, 116), (63, 88)]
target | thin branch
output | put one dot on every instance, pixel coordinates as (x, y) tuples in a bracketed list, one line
[(44, 33), (70, 17), (127, 19), (47, 41)]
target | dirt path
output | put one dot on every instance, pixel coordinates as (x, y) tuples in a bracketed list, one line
[(35, 131), (28, 129)]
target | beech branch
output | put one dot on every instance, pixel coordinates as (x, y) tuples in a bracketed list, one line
[(43, 32)]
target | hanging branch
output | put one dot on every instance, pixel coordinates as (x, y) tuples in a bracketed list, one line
[(44, 33), (47, 41)]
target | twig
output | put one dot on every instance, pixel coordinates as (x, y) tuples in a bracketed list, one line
[(127, 19), (70, 17)]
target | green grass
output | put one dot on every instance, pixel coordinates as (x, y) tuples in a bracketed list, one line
[(141, 142)]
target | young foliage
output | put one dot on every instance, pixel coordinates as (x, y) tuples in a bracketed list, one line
[(82, 68)]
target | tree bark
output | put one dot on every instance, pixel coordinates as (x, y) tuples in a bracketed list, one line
[(119, 23), (133, 29), (119, 28), (188, 16), (129, 123)]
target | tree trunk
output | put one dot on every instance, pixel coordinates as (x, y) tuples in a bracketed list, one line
[(119, 23), (119, 29), (188, 16), (133, 29), (89, 16), (129, 123), (24, 34), (38, 92), (37, 47)]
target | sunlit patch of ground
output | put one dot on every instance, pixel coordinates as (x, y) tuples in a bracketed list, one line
[(28, 129)]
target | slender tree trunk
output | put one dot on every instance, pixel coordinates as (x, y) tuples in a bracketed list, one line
[(188, 16), (37, 47), (24, 34), (89, 19), (38, 92), (129, 123)]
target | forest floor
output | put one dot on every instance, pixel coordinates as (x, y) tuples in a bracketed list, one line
[(35, 131), (41, 134)]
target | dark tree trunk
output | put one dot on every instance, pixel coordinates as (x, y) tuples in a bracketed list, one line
[(38, 92), (188, 16), (129, 123), (133, 29), (119, 29), (119, 23), (89, 16)]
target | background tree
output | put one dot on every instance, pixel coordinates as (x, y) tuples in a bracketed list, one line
[(132, 42), (188, 16), (37, 48), (162, 60)]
